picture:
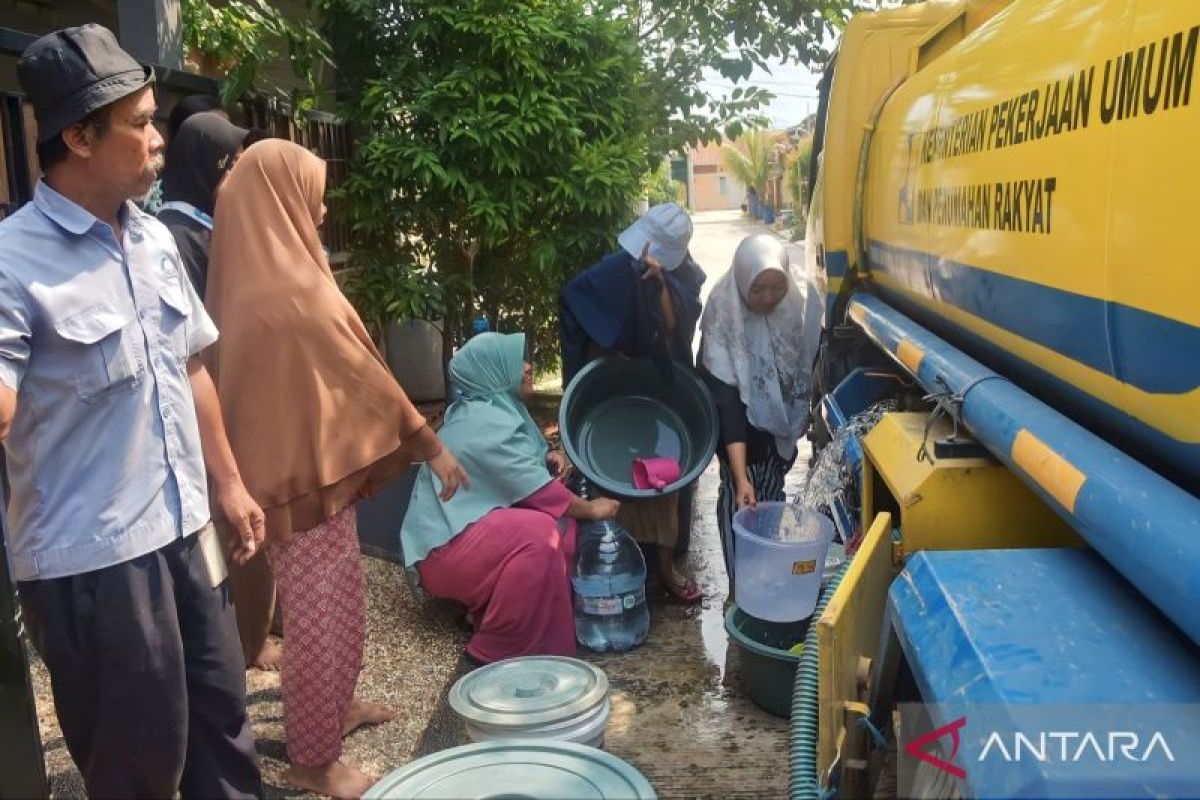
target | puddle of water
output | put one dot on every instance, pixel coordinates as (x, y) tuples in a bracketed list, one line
[(680, 714), (716, 640)]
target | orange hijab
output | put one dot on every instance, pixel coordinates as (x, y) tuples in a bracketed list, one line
[(313, 414)]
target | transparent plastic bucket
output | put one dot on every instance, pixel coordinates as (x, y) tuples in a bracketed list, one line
[(779, 559)]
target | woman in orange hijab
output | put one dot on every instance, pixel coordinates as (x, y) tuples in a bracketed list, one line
[(316, 421)]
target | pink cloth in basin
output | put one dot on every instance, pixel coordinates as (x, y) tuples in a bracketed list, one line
[(655, 473)]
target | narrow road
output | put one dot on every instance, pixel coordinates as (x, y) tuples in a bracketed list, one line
[(715, 239)]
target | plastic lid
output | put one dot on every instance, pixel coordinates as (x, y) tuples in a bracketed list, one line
[(529, 691), (533, 770)]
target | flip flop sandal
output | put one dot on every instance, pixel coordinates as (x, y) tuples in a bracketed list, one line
[(689, 593)]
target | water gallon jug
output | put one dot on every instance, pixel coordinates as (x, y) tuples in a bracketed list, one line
[(609, 579)]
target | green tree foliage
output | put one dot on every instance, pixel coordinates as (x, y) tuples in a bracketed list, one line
[(501, 145), (797, 172), (680, 39), (237, 37), (662, 188)]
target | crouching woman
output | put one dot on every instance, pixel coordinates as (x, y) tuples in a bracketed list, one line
[(503, 546)]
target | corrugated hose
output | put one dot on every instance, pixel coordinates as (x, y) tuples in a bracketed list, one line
[(804, 783)]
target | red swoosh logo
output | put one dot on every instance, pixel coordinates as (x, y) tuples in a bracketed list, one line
[(915, 747)]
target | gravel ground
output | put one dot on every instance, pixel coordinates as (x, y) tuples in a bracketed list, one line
[(413, 654), (680, 712)]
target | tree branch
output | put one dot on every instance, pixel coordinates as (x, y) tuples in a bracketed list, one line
[(655, 28)]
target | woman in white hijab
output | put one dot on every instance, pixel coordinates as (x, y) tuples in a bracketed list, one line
[(756, 356)]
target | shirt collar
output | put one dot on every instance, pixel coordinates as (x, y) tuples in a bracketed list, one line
[(70, 215)]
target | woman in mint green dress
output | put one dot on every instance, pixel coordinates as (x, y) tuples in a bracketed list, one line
[(503, 546)]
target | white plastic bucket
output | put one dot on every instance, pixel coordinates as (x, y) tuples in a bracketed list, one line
[(779, 559)]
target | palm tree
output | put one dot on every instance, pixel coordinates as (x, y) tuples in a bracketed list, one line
[(797, 171), (751, 163)]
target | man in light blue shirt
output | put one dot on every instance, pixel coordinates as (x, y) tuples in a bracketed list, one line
[(109, 420)]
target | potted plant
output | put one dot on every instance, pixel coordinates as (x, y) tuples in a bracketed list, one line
[(232, 41), (405, 308)]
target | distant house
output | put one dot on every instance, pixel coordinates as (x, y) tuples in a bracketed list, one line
[(710, 187)]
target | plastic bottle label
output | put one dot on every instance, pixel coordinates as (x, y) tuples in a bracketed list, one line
[(611, 606)]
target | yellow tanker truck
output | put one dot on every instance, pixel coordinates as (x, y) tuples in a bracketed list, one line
[(1002, 225)]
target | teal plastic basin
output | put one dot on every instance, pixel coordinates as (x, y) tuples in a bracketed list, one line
[(768, 666), (617, 410)]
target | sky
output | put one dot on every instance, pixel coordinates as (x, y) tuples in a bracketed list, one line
[(794, 87)]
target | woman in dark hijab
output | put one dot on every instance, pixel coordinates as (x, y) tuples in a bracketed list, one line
[(642, 301), (198, 157), (188, 107)]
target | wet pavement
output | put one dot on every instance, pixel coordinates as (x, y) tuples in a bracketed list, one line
[(680, 712)]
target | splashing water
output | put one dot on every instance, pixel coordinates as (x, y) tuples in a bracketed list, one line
[(795, 525), (830, 473)]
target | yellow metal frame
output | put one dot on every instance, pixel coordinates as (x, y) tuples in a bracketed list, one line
[(952, 503), (848, 638), (940, 504)]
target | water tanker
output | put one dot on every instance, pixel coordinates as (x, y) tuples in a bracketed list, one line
[(1025, 184), (1001, 224)]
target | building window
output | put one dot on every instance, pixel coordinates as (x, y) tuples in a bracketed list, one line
[(724, 186)]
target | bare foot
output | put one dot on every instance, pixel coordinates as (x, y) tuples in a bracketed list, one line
[(363, 713), (270, 658), (335, 779)]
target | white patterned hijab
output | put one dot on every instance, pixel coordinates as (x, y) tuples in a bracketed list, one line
[(768, 357)]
